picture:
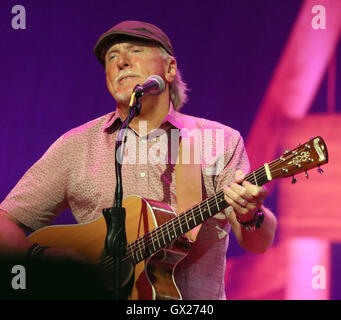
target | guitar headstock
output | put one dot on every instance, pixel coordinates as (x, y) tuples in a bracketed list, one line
[(307, 156)]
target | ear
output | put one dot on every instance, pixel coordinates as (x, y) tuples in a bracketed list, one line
[(171, 69)]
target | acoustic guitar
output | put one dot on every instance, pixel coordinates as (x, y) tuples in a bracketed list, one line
[(156, 235)]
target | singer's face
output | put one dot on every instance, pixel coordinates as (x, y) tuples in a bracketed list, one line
[(128, 64)]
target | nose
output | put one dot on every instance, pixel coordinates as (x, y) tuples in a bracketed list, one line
[(123, 61)]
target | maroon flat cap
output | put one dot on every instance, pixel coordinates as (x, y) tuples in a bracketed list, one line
[(136, 29)]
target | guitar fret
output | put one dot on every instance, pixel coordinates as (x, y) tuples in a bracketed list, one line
[(147, 243), (259, 176), (202, 218), (153, 244), (135, 254), (136, 258), (188, 228), (193, 216), (254, 178), (157, 238), (209, 209), (169, 237), (175, 235), (182, 232), (216, 201), (143, 247), (164, 230), (140, 252)]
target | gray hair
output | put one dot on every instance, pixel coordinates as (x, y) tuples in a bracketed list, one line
[(178, 88)]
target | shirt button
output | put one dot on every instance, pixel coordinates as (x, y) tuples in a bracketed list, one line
[(142, 174)]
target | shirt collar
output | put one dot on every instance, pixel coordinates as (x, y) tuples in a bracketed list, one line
[(174, 118), (115, 119)]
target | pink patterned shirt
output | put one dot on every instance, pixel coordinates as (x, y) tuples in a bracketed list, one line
[(78, 172)]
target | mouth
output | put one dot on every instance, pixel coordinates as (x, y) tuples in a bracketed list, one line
[(127, 77)]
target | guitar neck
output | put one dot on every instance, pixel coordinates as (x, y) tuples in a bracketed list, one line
[(309, 155), (176, 227)]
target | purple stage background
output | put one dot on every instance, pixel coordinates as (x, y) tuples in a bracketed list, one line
[(51, 82)]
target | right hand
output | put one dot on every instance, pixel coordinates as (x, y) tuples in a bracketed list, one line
[(65, 254)]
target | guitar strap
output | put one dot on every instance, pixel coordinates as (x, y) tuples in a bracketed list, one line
[(188, 171)]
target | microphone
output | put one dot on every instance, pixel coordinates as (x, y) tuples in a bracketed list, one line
[(154, 85)]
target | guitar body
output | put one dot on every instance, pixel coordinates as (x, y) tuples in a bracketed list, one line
[(152, 278)]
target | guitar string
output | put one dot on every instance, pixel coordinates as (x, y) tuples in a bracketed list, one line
[(141, 243), (195, 212), (145, 244), (163, 232), (133, 251), (137, 245)]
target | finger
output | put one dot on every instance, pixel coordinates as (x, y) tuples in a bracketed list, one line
[(239, 176), (237, 208), (239, 193), (258, 193), (237, 198)]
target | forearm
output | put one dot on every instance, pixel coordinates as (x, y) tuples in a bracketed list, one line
[(13, 241), (12, 237), (259, 240)]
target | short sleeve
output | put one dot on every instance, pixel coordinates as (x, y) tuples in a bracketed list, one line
[(40, 195)]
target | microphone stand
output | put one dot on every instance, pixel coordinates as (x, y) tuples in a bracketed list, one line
[(116, 240)]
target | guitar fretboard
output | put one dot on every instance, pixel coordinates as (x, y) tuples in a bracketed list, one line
[(163, 235)]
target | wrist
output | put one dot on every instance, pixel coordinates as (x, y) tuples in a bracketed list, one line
[(35, 251), (254, 223), (245, 218)]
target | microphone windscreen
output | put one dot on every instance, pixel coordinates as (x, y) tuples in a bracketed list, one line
[(161, 84)]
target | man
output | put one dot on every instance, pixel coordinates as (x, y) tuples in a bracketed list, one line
[(77, 171)]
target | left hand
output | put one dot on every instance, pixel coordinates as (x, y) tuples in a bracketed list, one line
[(245, 198)]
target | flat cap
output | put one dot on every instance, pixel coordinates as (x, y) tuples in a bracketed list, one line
[(135, 29)]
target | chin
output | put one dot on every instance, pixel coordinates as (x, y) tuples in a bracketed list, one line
[(122, 98)]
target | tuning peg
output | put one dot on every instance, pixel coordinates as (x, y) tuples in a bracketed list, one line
[(319, 170), (306, 174), (294, 180), (299, 144)]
